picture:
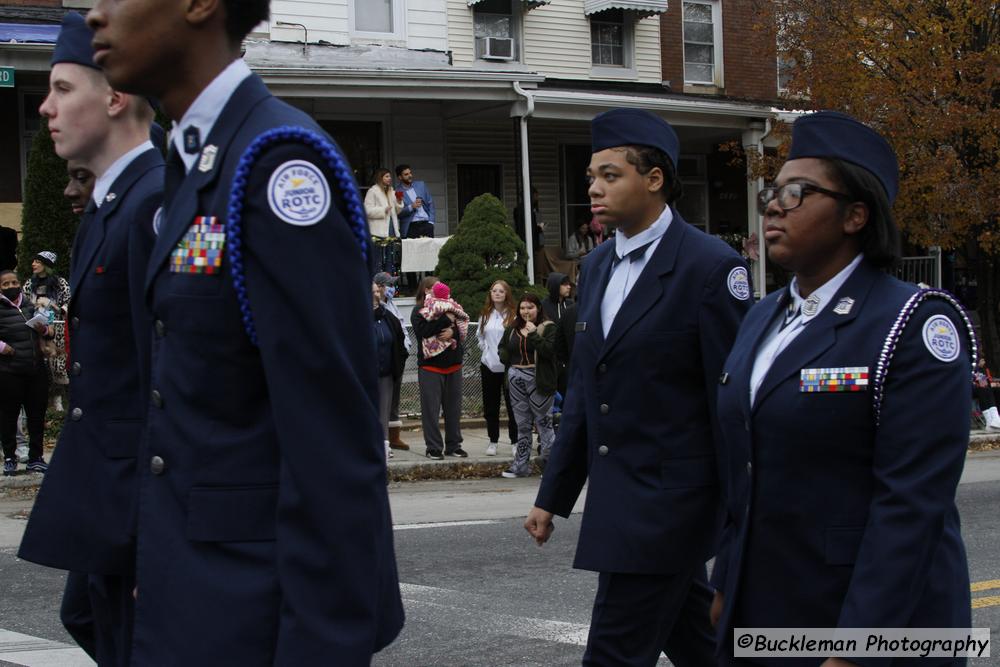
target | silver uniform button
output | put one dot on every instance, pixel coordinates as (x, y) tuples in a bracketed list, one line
[(605, 408), (603, 450), (157, 465), (76, 415)]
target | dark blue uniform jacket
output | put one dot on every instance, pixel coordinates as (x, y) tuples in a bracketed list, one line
[(833, 522), (84, 517), (264, 529), (639, 413)]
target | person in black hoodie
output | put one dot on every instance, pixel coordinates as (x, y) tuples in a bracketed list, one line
[(556, 303), (391, 354), (24, 379)]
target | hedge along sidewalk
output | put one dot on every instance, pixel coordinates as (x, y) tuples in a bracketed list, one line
[(413, 466)]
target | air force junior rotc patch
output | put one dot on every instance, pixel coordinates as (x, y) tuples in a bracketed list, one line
[(201, 249), (739, 283), (941, 338), (298, 193)]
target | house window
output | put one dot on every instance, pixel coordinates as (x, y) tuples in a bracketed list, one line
[(377, 18), (702, 42), (785, 66), (607, 38), (495, 29)]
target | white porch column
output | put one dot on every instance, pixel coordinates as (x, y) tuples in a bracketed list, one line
[(753, 138)]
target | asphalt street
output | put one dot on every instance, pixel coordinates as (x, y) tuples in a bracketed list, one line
[(477, 590)]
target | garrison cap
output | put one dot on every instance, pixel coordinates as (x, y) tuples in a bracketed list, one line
[(73, 43), (830, 134), (633, 127)]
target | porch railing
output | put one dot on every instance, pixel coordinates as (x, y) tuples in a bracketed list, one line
[(921, 269)]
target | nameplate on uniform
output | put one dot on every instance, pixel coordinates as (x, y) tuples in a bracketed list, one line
[(847, 378), (202, 248), (580, 326)]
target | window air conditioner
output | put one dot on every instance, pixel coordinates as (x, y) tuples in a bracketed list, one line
[(496, 48)]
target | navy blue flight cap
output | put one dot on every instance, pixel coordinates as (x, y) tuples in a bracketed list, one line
[(633, 127), (73, 43), (830, 134)]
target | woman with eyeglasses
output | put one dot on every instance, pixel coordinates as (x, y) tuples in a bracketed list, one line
[(844, 407)]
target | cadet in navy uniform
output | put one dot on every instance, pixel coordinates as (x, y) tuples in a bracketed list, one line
[(657, 312), (845, 432), (264, 529), (84, 517)]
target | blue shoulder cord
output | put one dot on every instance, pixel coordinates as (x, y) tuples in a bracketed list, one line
[(234, 222), (896, 332)]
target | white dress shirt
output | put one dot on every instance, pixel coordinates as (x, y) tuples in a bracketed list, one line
[(778, 338), (103, 183), (626, 272), (207, 107), (489, 337)]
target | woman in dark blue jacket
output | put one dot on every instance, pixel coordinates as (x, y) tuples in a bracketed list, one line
[(391, 355), (844, 406)]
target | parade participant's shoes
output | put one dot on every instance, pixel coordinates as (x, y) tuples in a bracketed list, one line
[(9, 467), (491, 449), (513, 472), (459, 453), (434, 456), (37, 465), (394, 440)]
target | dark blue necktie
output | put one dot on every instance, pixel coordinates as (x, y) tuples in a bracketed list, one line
[(633, 255)]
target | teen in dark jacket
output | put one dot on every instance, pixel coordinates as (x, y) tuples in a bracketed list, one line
[(24, 379), (391, 355), (556, 303)]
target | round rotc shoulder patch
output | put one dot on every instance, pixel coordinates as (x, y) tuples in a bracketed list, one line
[(739, 283), (941, 338), (298, 193)]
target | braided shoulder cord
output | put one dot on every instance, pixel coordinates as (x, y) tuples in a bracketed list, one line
[(234, 222), (896, 332)]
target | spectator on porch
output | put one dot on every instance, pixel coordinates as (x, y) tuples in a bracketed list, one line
[(417, 214), (581, 242), (382, 206)]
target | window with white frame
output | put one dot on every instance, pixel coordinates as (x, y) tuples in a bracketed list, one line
[(377, 17), (495, 29), (703, 42), (608, 39)]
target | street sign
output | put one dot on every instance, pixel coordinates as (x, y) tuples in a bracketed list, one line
[(6, 77)]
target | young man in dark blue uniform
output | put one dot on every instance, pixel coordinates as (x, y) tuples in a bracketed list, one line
[(84, 517), (264, 528), (657, 310)]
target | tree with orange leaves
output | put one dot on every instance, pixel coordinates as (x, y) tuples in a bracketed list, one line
[(926, 75)]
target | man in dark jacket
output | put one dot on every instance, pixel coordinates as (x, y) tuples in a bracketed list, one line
[(556, 303)]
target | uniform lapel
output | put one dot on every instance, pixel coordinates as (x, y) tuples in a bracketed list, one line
[(182, 208), (756, 331), (820, 334), (93, 227), (648, 289)]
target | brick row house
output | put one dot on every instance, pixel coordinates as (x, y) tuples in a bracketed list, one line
[(481, 95)]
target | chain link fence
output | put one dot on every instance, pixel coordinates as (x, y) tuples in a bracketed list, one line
[(472, 384)]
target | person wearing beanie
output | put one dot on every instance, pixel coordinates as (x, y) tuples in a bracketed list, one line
[(387, 289), (658, 306), (49, 291), (845, 415), (83, 520)]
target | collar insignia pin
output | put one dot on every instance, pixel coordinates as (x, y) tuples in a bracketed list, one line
[(207, 161), (811, 306), (111, 197), (844, 306)]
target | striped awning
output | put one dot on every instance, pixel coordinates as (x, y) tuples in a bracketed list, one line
[(640, 8), (529, 4)]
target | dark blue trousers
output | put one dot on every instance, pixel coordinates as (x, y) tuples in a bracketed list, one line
[(638, 616), (97, 611)]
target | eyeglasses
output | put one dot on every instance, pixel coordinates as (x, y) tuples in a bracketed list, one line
[(790, 195)]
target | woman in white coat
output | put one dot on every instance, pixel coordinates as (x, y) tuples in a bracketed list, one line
[(381, 206)]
